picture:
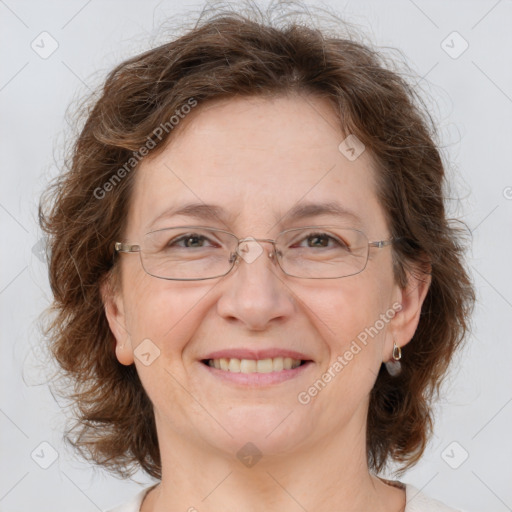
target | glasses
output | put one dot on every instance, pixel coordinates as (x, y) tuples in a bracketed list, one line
[(191, 253)]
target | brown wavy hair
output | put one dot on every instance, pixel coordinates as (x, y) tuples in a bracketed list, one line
[(232, 53)]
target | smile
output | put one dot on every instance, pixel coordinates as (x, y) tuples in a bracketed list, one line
[(255, 372), (267, 365)]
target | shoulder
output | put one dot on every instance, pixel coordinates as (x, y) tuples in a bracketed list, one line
[(134, 504), (417, 501)]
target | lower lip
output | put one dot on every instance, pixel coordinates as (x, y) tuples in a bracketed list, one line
[(257, 379)]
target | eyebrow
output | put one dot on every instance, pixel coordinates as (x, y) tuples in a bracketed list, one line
[(203, 211)]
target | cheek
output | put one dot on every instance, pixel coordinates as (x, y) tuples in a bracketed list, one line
[(163, 319), (351, 321), (353, 316), (167, 313)]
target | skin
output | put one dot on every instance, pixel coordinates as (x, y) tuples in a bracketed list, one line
[(257, 158)]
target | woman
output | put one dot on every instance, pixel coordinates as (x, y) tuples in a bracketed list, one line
[(257, 291)]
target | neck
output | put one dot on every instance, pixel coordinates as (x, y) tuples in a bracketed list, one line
[(330, 475)]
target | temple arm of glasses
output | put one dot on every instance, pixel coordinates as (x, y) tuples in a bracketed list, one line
[(121, 247), (381, 243)]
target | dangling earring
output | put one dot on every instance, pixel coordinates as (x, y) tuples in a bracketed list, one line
[(394, 366)]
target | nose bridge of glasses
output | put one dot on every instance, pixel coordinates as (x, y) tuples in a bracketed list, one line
[(252, 239), (249, 248)]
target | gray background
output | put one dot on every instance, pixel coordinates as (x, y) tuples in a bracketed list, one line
[(472, 102)]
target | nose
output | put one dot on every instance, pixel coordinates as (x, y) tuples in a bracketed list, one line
[(254, 293)]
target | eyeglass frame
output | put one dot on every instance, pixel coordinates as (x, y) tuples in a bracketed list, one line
[(126, 247)]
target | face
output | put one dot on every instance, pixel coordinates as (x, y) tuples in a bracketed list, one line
[(257, 159)]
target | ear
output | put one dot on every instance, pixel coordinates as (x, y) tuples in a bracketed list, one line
[(115, 313), (411, 298)]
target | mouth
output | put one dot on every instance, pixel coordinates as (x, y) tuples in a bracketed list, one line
[(267, 365), (255, 373)]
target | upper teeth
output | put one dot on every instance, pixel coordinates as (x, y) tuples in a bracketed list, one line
[(255, 366)]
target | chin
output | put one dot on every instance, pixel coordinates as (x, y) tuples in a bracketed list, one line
[(271, 428)]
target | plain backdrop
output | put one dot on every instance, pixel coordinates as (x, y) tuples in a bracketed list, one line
[(460, 51)]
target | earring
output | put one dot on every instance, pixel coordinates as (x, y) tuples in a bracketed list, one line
[(394, 366)]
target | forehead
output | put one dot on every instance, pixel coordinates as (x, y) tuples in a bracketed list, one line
[(257, 159)]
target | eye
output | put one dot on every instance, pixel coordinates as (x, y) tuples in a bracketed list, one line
[(322, 240), (190, 240)]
